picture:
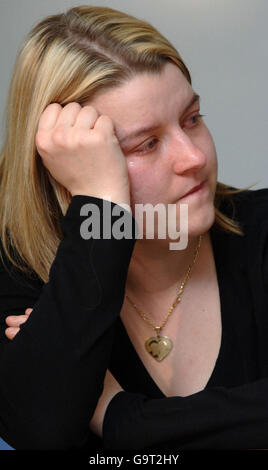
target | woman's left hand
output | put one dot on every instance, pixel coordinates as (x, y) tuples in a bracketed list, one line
[(111, 386), (14, 322)]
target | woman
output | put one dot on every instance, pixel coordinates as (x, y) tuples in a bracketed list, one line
[(77, 373)]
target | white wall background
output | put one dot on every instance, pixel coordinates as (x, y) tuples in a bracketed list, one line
[(223, 42)]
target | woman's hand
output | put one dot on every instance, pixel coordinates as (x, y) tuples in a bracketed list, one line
[(111, 386), (80, 150), (14, 322)]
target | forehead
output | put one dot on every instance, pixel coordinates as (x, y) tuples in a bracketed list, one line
[(143, 96)]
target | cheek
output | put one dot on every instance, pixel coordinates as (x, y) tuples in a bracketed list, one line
[(208, 146), (210, 150), (142, 183)]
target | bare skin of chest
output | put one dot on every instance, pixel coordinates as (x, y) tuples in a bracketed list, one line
[(194, 328)]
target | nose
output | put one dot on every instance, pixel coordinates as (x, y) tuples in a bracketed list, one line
[(186, 155)]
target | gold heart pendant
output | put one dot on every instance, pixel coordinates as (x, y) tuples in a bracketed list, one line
[(158, 347)]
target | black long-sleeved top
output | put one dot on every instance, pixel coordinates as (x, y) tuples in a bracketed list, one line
[(52, 372)]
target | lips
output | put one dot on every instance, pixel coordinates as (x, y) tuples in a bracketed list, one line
[(194, 188)]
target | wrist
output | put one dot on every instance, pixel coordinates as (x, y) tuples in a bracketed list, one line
[(120, 199)]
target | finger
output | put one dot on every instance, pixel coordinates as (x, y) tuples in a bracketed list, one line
[(68, 115), (105, 124), (28, 311), (11, 332), (49, 116), (87, 117), (16, 320)]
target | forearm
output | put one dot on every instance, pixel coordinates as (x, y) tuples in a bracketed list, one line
[(216, 418), (52, 373)]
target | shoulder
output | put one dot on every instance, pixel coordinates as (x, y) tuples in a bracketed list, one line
[(251, 211), (249, 207), (250, 200)]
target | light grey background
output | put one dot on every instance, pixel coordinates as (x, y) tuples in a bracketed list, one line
[(223, 42)]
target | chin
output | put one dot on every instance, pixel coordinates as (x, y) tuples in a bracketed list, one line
[(201, 223), (200, 219)]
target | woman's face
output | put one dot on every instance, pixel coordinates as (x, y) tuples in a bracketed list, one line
[(175, 153)]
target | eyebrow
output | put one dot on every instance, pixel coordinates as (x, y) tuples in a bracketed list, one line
[(154, 126)]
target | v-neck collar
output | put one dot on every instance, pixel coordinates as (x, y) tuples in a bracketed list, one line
[(129, 368)]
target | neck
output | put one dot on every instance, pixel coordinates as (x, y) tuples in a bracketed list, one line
[(155, 269)]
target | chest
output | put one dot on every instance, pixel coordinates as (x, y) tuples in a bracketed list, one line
[(195, 331)]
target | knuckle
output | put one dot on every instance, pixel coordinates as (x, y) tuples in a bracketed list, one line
[(90, 108), (59, 136), (52, 106), (78, 133), (41, 139), (72, 105), (97, 138), (106, 121), (80, 137), (51, 109)]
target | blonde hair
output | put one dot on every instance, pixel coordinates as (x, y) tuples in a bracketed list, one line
[(64, 58)]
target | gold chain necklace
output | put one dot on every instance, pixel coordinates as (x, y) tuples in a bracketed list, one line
[(160, 346)]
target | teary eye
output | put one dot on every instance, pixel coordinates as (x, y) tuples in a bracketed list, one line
[(147, 146), (193, 120)]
